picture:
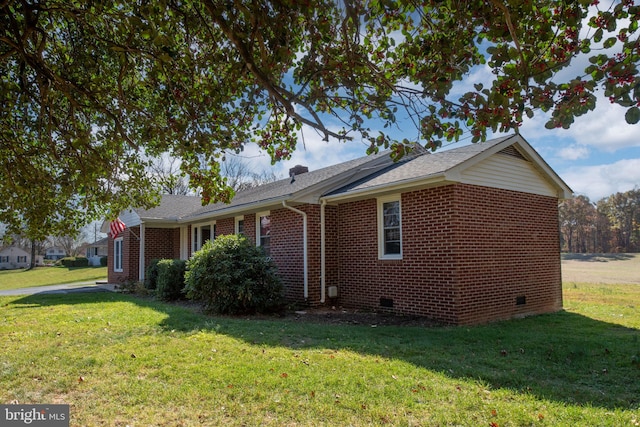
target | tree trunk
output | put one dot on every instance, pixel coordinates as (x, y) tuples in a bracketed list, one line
[(32, 264)]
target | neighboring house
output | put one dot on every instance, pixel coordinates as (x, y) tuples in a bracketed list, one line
[(462, 236), (12, 258), (97, 250), (55, 253)]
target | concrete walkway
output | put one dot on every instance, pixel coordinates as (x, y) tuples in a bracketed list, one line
[(66, 288)]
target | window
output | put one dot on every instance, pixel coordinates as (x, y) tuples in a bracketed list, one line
[(4, 259), (239, 228), (389, 228), (117, 255), (22, 258), (201, 234), (263, 231)]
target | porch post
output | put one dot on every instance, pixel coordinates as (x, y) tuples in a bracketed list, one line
[(141, 261)]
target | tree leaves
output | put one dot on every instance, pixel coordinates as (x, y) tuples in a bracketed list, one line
[(90, 92), (632, 115)]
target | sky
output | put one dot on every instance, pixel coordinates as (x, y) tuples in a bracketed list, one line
[(597, 157)]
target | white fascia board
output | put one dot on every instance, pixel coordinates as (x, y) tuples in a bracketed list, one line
[(397, 187), (129, 217), (263, 205)]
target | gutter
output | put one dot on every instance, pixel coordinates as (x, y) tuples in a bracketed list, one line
[(304, 247), (323, 203)]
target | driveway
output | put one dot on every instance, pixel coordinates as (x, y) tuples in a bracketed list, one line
[(66, 288)]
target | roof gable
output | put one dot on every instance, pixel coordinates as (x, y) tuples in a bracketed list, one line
[(449, 166)]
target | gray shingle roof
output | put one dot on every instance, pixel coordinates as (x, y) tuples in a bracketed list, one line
[(378, 171), (284, 188), (422, 166), (171, 207)]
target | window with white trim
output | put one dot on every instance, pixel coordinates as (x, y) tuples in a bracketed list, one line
[(22, 258), (201, 233), (239, 225), (263, 231), (117, 255), (4, 259), (389, 228)]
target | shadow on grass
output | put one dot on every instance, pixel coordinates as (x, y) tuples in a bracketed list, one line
[(596, 257), (564, 356)]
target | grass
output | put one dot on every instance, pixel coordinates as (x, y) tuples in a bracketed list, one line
[(120, 360), (43, 276)]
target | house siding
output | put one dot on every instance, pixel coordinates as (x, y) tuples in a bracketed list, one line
[(287, 251), (422, 282), (468, 253), (161, 243), (332, 245), (507, 246), (130, 257), (508, 173)]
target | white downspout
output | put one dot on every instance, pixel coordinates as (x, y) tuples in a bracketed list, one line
[(141, 261), (323, 203), (304, 247)]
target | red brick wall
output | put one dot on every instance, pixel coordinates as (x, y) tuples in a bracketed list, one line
[(226, 226), (161, 243), (507, 246), (130, 257), (287, 251), (422, 282), (250, 227), (468, 252), (332, 254)]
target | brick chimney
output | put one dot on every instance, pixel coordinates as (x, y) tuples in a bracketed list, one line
[(298, 170)]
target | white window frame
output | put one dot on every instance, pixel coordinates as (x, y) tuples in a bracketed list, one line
[(236, 224), (196, 234), (4, 258), (118, 258), (258, 216), (381, 242)]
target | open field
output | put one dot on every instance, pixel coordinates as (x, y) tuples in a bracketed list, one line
[(601, 268), (43, 276), (120, 360)]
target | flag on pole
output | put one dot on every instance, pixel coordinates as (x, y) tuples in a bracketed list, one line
[(116, 227)]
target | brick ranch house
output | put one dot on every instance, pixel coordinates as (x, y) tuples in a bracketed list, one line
[(463, 236)]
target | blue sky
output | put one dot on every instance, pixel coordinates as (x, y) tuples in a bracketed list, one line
[(598, 156)]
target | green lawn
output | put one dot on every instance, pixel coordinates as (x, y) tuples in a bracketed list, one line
[(119, 360), (43, 276)]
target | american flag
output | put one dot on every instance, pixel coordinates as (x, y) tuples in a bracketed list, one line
[(116, 227)]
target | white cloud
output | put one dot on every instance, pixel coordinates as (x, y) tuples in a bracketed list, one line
[(601, 181), (604, 129), (574, 152)]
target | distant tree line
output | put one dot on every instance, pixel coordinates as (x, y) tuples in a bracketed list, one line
[(610, 225)]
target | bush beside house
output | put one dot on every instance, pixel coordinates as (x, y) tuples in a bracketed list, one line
[(170, 279), (232, 276)]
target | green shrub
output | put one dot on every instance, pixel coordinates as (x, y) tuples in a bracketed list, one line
[(170, 280), (73, 262), (232, 276), (103, 261), (151, 275)]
